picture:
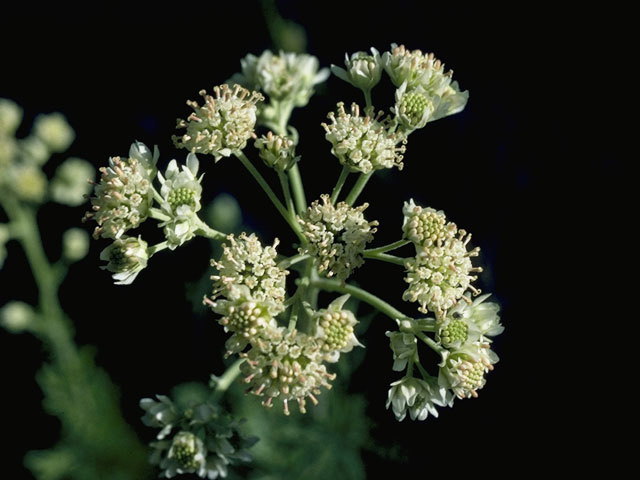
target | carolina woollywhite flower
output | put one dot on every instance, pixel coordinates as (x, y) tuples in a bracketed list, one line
[(181, 190)]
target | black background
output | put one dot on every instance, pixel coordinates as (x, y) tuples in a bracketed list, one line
[(504, 169)]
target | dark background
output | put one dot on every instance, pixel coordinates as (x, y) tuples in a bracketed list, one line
[(503, 169)]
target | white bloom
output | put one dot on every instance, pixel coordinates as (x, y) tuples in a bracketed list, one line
[(335, 329), (290, 369), (469, 322), (425, 226), (124, 195), (363, 143), (439, 275), (463, 370), (10, 117), (54, 131), (70, 185), (181, 191), (363, 70), (223, 124), (187, 454), (75, 244), (404, 346), (413, 107), (8, 150), (35, 151), (277, 151), (245, 261), (337, 236), (415, 69), (28, 182), (126, 257), (287, 77), (419, 397)]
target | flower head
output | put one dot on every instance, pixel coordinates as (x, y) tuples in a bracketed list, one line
[(284, 77), (181, 191), (363, 71), (335, 329), (439, 275), (277, 151), (28, 182), (54, 131), (469, 322), (463, 370), (363, 143), (70, 185), (223, 124), (418, 397), (290, 369), (337, 236), (245, 261), (124, 195), (413, 107), (413, 69), (126, 257), (425, 226)]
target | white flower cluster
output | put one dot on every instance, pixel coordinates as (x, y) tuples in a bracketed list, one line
[(425, 91), (181, 191), (21, 160), (126, 257), (337, 236), (363, 143), (334, 329), (124, 195), (200, 439), (441, 271), (286, 77), (223, 124), (363, 70), (277, 151), (245, 262), (418, 397)]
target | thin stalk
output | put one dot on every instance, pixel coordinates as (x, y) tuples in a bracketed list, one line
[(298, 190), (272, 196), (158, 247), (339, 184), (284, 183), (360, 294), (388, 247), (385, 257), (367, 97), (206, 231), (226, 379), (287, 262), (358, 187)]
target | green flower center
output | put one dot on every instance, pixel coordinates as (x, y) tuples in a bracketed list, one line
[(118, 257), (337, 330), (185, 455), (455, 331), (181, 196), (414, 105), (245, 319)]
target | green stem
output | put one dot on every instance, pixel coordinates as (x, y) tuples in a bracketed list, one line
[(367, 97), (226, 379), (385, 257), (358, 187), (156, 196), (272, 196), (206, 231), (158, 214), (298, 190), (340, 183), (423, 372), (284, 183), (287, 262), (360, 294), (158, 247), (430, 342), (389, 247)]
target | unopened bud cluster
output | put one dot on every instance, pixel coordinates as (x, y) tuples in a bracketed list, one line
[(277, 151)]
